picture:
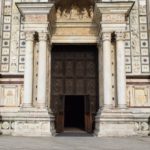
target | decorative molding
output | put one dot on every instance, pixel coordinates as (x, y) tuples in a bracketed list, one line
[(113, 18)]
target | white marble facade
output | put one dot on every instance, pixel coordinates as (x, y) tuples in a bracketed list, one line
[(127, 72)]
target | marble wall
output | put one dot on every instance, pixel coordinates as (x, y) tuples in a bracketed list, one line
[(12, 50)]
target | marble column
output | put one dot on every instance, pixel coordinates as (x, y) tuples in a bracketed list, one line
[(107, 73), (121, 75), (41, 91), (28, 73)]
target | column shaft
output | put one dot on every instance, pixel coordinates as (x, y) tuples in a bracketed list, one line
[(121, 76), (107, 74), (28, 73), (41, 92)]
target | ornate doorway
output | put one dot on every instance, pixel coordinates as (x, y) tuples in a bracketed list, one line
[(74, 77)]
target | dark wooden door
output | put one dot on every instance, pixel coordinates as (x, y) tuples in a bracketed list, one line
[(74, 72)]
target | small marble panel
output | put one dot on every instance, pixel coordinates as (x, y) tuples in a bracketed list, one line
[(143, 35), (6, 43), (21, 59), (22, 35), (143, 27), (145, 60), (21, 67), (6, 27), (22, 43), (145, 68), (127, 44), (144, 51), (128, 60), (5, 59), (128, 68), (143, 19), (5, 51), (22, 51), (7, 19), (127, 52), (4, 67), (144, 43), (6, 35)]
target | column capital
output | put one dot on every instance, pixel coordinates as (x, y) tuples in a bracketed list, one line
[(120, 36), (42, 36), (106, 36), (29, 36)]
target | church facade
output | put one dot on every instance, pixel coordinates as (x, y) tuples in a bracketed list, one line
[(74, 65)]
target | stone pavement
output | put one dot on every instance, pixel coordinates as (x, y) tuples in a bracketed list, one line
[(74, 143)]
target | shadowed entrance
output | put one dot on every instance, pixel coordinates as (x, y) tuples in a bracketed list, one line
[(74, 112)]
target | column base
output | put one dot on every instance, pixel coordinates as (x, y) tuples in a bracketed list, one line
[(41, 105), (27, 105), (122, 106), (105, 107)]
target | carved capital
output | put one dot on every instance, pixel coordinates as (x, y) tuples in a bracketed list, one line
[(42, 36), (120, 36), (106, 36), (29, 36)]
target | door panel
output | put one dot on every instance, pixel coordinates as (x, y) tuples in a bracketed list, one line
[(74, 72), (59, 115)]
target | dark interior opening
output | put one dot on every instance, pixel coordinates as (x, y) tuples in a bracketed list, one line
[(74, 112)]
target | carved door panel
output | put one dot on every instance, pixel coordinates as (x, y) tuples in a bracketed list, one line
[(74, 72)]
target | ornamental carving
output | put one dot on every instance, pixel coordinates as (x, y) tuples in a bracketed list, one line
[(106, 36), (29, 36), (120, 36), (42, 36), (113, 18), (74, 14), (36, 18)]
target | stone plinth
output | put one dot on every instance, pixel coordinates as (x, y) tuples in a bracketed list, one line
[(115, 122), (34, 123)]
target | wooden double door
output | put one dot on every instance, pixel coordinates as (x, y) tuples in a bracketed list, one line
[(74, 86)]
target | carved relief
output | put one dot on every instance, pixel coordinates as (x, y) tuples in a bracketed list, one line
[(74, 14), (120, 36), (36, 18), (106, 36), (9, 95), (113, 18), (138, 95)]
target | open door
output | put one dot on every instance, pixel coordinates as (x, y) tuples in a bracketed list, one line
[(88, 116), (60, 115)]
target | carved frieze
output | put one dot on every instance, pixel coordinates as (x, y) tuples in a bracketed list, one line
[(113, 18), (74, 14), (36, 18)]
